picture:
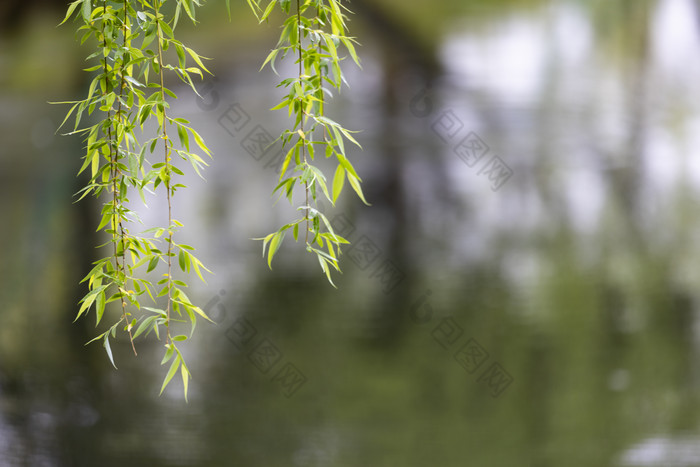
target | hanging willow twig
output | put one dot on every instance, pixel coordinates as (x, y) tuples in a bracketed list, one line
[(130, 38), (313, 34)]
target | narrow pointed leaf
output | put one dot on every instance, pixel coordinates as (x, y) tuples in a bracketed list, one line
[(108, 349), (171, 372), (338, 182)]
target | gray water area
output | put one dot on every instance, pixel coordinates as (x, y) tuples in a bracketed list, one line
[(522, 291)]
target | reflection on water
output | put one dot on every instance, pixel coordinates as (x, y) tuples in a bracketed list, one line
[(664, 451), (544, 318)]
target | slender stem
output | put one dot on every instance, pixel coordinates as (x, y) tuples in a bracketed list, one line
[(122, 233), (302, 110), (113, 171), (166, 182), (321, 97), (115, 174)]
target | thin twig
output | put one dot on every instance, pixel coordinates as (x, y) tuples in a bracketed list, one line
[(117, 227), (166, 182), (301, 120)]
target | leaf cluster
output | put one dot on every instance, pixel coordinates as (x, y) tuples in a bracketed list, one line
[(126, 123), (130, 40), (314, 36)]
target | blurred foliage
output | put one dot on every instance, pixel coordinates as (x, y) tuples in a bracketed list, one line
[(596, 327)]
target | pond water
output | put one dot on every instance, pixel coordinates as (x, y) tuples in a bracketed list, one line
[(522, 291)]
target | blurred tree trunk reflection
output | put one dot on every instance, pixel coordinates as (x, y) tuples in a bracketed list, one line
[(407, 65), (625, 177)]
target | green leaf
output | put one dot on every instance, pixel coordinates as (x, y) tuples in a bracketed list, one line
[(133, 165), (97, 338), (100, 305), (71, 9), (354, 182), (89, 299), (271, 59), (351, 48), (197, 59), (200, 312), (347, 166), (168, 354), (106, 218), (133, 81), (188, 9), (87, 10), (108, 349), (171, 372), (338, 182), (200, 142), (182, 260), (348, 135), (141, 262), (321, 179), (180, 55), (70, 112), (287, 160), (145, 324), (268, 10), (152, 264), (253, 4), (165, 28), (197, 264), (325, 268), (160, 312), (265, 240), (338, 140), (275, 244), (185, 378)]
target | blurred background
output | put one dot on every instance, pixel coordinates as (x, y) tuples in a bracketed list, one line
[(522, 291)]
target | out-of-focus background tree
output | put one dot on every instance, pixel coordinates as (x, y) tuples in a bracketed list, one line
[(523, 291)]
